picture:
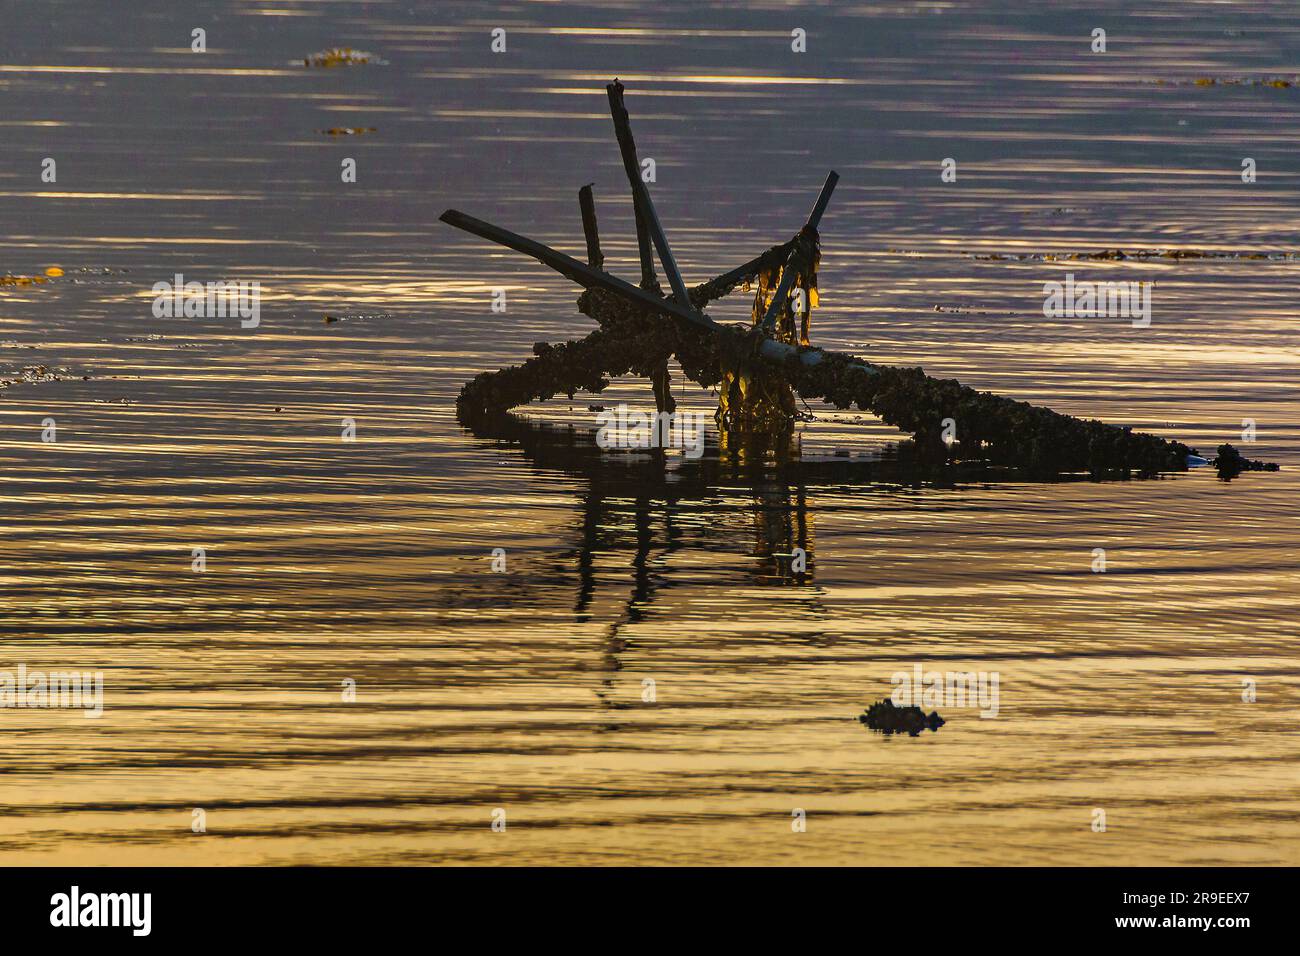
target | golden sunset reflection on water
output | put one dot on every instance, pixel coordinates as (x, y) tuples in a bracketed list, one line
[(370, 560)]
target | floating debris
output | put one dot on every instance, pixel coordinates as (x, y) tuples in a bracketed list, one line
[(31, 374), (349, 130), (966, 310), (333, 318), (1231, 463), (1274, 82), (888, 718), (340, 56), (1119, 255), (53, 272)]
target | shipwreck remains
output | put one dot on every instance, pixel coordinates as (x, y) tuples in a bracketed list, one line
[(759, 368)]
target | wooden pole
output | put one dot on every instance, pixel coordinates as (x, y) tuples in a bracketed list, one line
[(647, 224), (587, 203), (627, 148), (649, 281), (571, 268), (641, 195)]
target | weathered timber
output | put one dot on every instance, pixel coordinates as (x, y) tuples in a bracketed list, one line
[(641, 194), (647, 228), (571, 268), (587, 203), (720, 286), (660, 380)]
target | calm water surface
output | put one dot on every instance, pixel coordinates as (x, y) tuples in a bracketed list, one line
[(370, 560)]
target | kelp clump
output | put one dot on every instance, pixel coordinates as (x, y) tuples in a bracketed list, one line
[(753, 397), (1230, 463), (888, 718)]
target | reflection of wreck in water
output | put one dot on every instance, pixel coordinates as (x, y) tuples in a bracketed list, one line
[(652, 488), (652, 506), (775, 474), (657, 506)]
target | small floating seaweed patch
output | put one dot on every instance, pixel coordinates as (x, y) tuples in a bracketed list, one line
[(29, 374), (341, 56), (888, 718), (1274, 82), (349, 130), (1119, 255), (53, 272)]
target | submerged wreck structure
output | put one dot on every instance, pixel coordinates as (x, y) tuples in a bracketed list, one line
[(759, 368)]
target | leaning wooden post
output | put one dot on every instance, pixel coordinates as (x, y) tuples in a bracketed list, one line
[(647, 228), (649, 281), (640, 194), (627, 148), (588, 205)]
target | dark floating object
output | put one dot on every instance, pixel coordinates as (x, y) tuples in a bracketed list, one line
[(887, 718), (640, 329), (1232, 463)]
